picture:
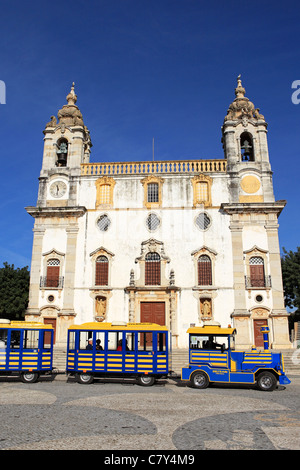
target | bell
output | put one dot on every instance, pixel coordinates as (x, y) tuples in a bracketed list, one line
[(62, 154), (246, 147)]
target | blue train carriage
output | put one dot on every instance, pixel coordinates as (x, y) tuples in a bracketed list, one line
[(118, 349), (26, 349), (212, 358)]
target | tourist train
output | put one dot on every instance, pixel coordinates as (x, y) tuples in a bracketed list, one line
[(139, 350)]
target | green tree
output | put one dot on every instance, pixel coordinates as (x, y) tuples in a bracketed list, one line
[(290, 265), (14, 291)]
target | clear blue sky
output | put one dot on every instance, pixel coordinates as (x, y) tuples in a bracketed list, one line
[(144, 68)]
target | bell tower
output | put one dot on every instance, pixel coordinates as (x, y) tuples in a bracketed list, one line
[(67, 144), (253, 223), (244, 138)]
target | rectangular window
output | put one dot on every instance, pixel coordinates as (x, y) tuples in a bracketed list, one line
[(152, 277), (101, 271), (115, 340), (161, 342), (100, 340), (30, 339), (210, 342), (204, 271), (201, 192), (257, 275), (145, 342), (15, 339), (3, 338), (105, 194), (71, 340), (152, 269), (153, 195), (52, 278), (130, 342), (84, 337)]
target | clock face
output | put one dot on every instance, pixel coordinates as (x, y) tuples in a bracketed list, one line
[(58, 189)]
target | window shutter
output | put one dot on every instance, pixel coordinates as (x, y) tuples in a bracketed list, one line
[(101, 271), (204, 271)]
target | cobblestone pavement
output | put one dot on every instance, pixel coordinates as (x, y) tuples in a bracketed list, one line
[(60, 414)]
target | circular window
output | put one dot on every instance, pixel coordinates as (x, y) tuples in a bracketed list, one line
[(259, 298), (152, 222), (50, 298), (103, 222), (203, 221)]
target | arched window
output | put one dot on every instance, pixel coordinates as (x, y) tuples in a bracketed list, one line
[(101, 277), (62, 152), (152, 269), (257, 271), (247, 153), (52, 277), (204, 271)]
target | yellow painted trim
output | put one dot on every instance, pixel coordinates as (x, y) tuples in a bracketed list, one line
[(113, 327), (211, 330), (24, 325)]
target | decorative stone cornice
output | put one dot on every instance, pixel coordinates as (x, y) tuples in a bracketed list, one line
[(265, 207), (39, 212)]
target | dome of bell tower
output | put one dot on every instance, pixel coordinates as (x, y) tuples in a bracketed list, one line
[(70, 114), (242, 107)]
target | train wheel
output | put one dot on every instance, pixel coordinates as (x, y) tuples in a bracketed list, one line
[(200, 380), (29, 377), (266, 381), (146, 380), (84, 378)]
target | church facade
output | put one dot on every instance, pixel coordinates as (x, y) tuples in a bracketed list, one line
[(177, 242)]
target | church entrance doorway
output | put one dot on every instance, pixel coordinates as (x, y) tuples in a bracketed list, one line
[(258, 335), (153, 312), (51, 321)]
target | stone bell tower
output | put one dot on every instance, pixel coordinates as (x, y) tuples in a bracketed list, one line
[(67, 144), (257, 280), (57, 215), (244, 138)]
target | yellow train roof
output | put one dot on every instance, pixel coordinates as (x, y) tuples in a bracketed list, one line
[(211, 330), (117, 326), (25, 324)]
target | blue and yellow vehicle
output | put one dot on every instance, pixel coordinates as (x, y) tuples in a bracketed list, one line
[(212, 358), (26, 349), (118, 349)]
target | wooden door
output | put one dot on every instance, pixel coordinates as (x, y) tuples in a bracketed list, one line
[(257, 275), (153, 312), (50, 321), (258, 335), (52, 276)]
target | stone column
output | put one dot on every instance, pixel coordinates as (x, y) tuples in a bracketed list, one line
[(240, 314), (70, 265), (279, 314), (35, 271)]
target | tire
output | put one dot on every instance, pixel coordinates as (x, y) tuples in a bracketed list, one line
[(199, 379), (84, 378), (146, 380), (266, 381), (29, 377)]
